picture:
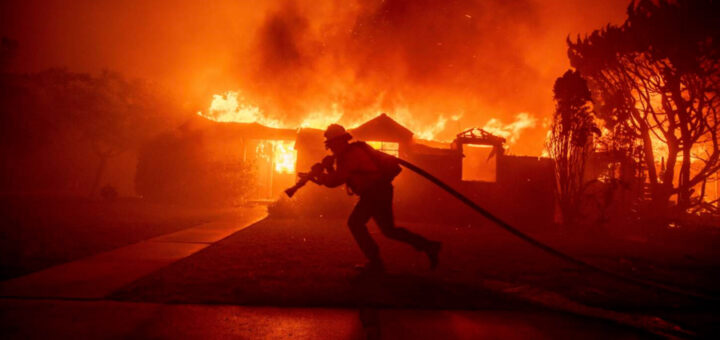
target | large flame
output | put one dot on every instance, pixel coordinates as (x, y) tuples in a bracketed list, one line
[(233, 107), (281, 155), (511, 131), (284, 156)]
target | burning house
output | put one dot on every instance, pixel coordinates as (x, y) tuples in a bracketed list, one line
[(517, 188)]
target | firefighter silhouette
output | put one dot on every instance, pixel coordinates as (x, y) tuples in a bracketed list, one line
[(369, 174)]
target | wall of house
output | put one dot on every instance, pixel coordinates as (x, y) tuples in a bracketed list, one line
[(522, 194), (527, 190)]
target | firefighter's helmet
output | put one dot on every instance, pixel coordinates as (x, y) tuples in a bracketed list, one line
[(336, 132)]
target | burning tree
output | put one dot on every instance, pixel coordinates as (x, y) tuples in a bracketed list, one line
[(657, 76), (570, 141)]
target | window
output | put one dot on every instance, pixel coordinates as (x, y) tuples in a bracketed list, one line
[(386, 147), (478, 165)]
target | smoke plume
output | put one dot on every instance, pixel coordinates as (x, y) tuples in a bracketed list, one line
[(442, 65)]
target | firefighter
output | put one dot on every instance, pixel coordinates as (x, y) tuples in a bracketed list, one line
[(369, 174)]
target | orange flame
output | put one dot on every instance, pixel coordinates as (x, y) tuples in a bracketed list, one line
[(281, 155), (511, 132), (284, 156), (232, 107)]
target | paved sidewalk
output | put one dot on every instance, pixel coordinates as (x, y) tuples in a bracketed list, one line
[(97, 276), (57, 319)]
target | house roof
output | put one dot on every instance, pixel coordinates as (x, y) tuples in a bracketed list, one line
[(243, 130), (479, 136), (382, 128), (424, 149)]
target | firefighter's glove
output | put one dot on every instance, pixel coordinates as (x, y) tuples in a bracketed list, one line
[(317, 169), (328, 162)]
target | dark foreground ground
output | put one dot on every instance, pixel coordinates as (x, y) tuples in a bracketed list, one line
[(488, 284), (39, 232), (301, 263), (52, 319)]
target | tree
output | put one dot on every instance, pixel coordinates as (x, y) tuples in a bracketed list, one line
[(570, 142), (68, 122), (657, 76), (112, 114)]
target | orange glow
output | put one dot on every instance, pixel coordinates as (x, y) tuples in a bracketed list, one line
[(231, 107), (284, 156), (280, 154), (477, 165), (660, 151), (386, 147), (511, 132), (429, 131), (320, 119)]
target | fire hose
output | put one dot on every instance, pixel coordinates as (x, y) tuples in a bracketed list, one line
[(527, 238)]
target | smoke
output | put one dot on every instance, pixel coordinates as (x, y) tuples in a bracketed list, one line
[(442, 64), (432, 57), (435, 59)]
